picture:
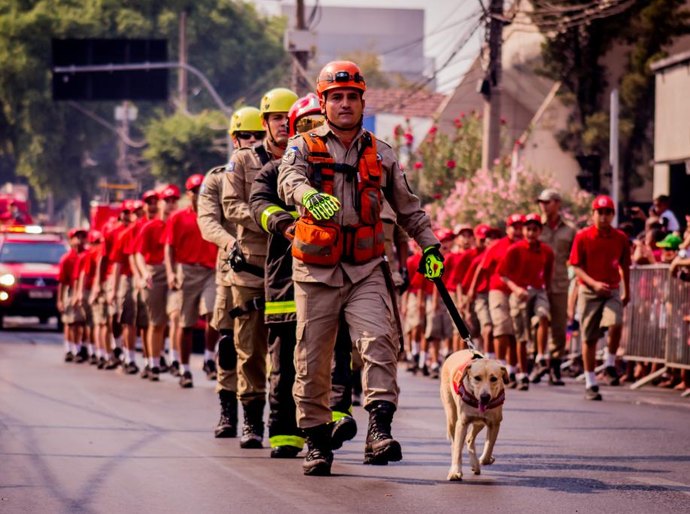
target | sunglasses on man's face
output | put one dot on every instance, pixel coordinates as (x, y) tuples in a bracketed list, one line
[(248, 135)]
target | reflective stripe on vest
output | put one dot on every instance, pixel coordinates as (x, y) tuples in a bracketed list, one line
[(337, 416), (267, 213), (284, 307), (286, 440)]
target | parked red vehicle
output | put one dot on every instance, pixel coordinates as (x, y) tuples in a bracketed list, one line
[(28, 272)]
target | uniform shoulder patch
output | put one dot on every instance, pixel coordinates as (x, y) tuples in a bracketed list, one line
[(290, 155), (231, 166), (385, 144)]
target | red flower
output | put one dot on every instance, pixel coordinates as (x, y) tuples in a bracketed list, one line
[(433, 129), (462, 114), (503, 121), (437, 196), (418, 165), (409, 138), (439, 182), (450, 164), (458, 122)]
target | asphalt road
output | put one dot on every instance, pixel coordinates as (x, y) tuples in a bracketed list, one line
[(75, 439)]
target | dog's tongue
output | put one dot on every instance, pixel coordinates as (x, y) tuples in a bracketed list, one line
[(482, 408)]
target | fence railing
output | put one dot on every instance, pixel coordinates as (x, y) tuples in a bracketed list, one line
[(655, 326)]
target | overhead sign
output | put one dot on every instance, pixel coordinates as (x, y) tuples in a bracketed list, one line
[(140, 84)]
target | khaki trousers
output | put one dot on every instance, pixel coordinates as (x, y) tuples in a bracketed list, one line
[(367, 310), (559, 322), (251, 343)]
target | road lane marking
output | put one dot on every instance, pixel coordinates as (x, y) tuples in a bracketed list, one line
[(663, 482)]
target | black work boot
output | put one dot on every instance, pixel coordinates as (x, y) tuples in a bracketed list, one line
[(381, 448), (344, 429), (227, 424), (319, 453), (253, 428), (555, 373)]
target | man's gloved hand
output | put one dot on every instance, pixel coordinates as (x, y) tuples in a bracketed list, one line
[(320, 205), (431, 264)]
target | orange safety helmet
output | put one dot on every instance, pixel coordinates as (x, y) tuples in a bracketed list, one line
[(340, 74), (305, 106)]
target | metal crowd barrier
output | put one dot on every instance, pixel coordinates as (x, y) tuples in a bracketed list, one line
[(654, 326)]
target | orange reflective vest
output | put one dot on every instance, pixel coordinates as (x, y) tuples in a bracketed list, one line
[(326, 242)]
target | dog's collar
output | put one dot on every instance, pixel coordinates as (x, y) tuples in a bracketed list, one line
[(457, 375), (472, 401)]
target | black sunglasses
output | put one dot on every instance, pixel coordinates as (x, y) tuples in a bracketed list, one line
[(248, 135), (344, 76)]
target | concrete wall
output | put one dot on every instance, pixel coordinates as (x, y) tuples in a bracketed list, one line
[(672, 114)]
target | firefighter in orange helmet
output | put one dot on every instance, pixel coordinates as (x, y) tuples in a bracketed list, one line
[(337, 175)]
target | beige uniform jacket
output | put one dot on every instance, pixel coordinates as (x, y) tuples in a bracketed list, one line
[(293, 183), (215, 227), (244, 165), (560, 240)]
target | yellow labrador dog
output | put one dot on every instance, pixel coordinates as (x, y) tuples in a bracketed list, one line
[(472, 392)]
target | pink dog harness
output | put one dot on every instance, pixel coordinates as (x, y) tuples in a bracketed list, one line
[(466, 395)]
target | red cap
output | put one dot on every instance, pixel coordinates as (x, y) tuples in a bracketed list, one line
[(75, 232), (148, 195), (127, 205), (137, 204), (533, 218), (169, 191), (515, 218), (444, 234), (461, 228), (194, 181), (94, 237), (481, 231), (603, 202)]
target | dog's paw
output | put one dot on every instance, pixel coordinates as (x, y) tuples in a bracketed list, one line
[(487, 461), (455, 476), (476, 470)]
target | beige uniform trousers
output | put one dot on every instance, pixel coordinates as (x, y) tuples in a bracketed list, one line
[(251, 343), (227, 378), (559, 324), (369, 315)]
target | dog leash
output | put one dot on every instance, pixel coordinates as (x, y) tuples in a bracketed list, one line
[(455, 314)]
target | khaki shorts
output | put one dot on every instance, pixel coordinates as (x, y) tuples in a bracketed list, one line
[(112, 307), (72, 314), (142, 314), (438, 322), (198, 286), (499, 309), (155, 298), (481, 310), (526, 312), (88, 311), (174, 302), (221, 318), (412, 317), (99, 309), (126, 309), (597, 313)]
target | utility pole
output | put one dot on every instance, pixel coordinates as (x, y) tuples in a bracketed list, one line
[(491, 87), (301, 56), (182, 76), (614, 158)]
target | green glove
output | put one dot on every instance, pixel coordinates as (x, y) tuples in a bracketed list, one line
[(321, 206), (431, 264)]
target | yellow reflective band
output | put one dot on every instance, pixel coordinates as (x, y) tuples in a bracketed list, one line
[(268, 212), (337, 416), (287, 440), (294, 214), (286, 307)]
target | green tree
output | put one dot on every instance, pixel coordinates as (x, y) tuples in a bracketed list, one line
[(181, 145), (60, 150)]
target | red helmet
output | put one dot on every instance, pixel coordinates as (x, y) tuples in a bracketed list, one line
[(340, 74), (305, 106), (169, 191), (194, 181)]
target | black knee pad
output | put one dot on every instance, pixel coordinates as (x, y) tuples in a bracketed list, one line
[(227, 355)]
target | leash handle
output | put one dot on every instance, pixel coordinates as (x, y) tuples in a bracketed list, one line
[(454, 314)]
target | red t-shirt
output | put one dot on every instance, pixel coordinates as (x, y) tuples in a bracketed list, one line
[(150, 241), (129, 247), (89, 264), (483, 282), (600, 254), (528, 266), (118, 255), (66, 267), (459, 267), (183, 235), (492, 258), (108, 247), (416, 278)]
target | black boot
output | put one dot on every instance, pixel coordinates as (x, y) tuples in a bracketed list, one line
[(381, 448), (555, 373), (227, 424), (343, 430), (253, 428), (319, 453)]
